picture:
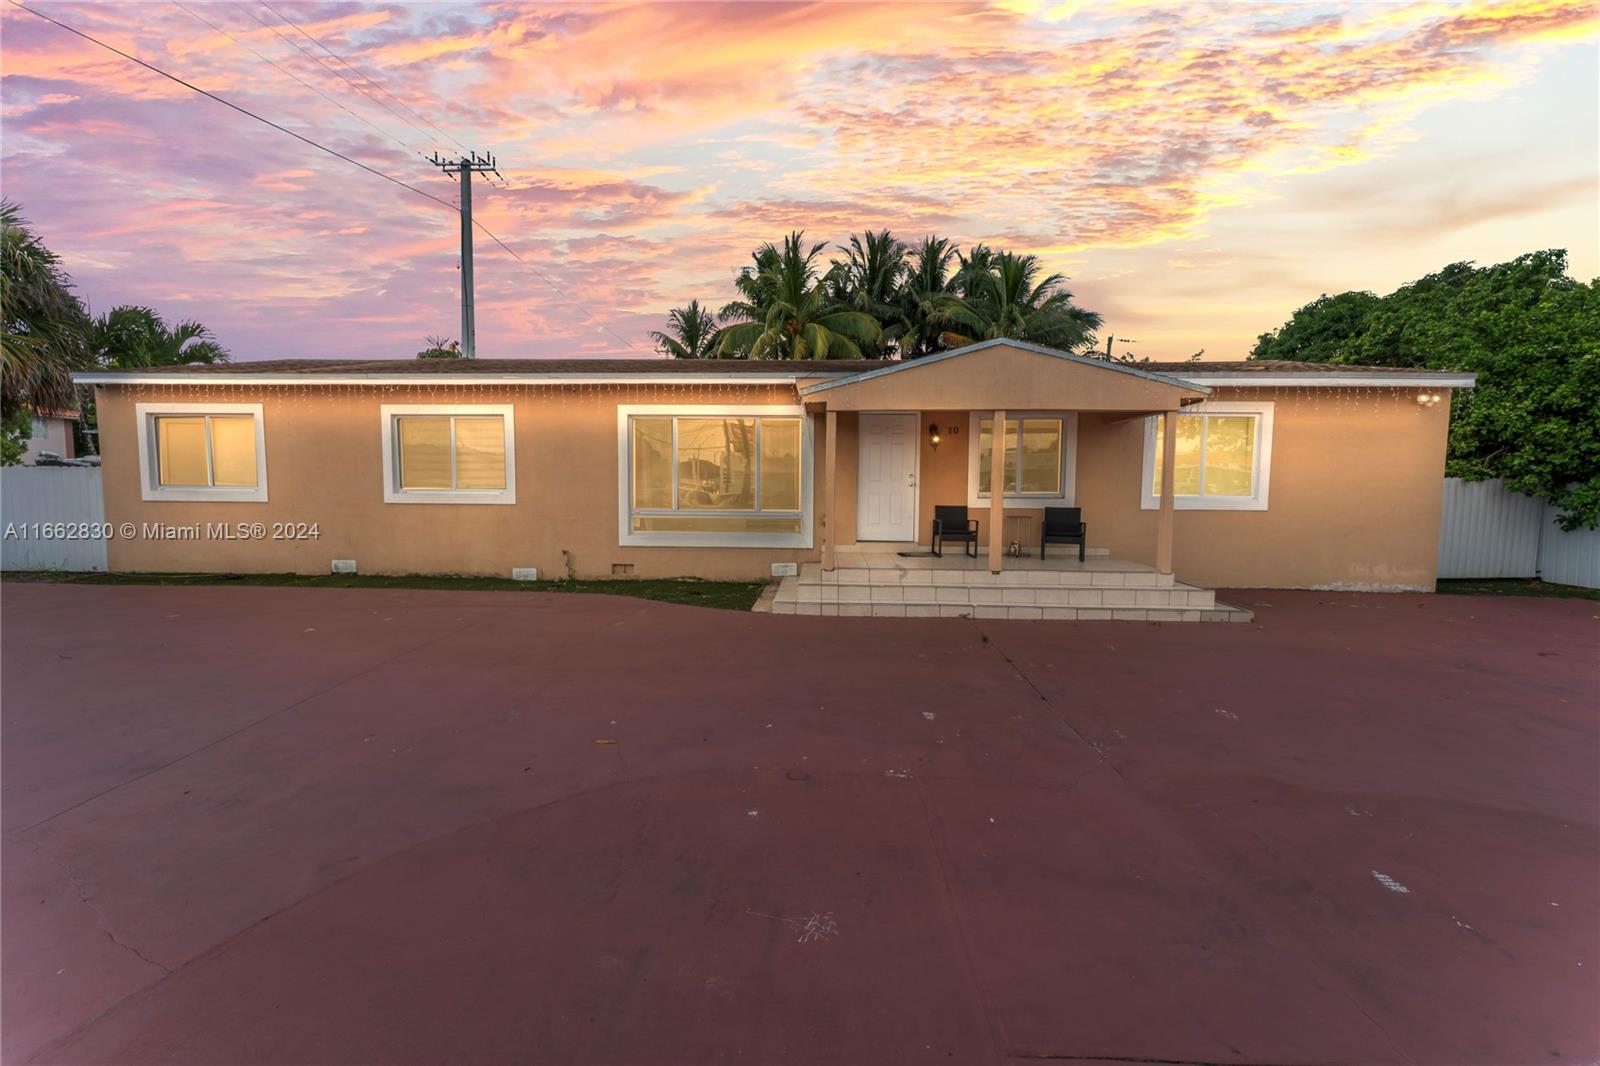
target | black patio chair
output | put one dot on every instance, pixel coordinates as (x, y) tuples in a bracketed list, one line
[(1064, 525), (950, 522)]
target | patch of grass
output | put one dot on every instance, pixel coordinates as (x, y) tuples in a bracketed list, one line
[(727, 595), (1514, 587)]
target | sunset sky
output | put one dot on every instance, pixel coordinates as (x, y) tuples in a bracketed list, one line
[(1198, 171)]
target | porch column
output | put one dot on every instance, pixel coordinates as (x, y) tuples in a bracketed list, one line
[(830, 481), (997, 493), (1169, 457)]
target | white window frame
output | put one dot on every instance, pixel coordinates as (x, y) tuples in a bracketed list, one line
[(626, 535), (1065, 497), (1262, 479), (150, 485), (393, 493)]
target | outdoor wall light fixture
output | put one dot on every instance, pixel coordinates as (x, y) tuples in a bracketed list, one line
[(933, 434), (1427, 399)]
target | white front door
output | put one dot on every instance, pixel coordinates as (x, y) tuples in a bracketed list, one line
[(887, 478)]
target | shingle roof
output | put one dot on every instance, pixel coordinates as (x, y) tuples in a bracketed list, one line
[(691, 367), (1267, 366), (688, 367)]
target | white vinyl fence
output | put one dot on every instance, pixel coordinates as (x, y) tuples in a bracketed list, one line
[(1487, 531), (50, 518)]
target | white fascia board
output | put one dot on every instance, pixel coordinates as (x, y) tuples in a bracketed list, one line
[(1424, 379), (429, 379)]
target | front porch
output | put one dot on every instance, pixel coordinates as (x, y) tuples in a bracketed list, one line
[(875, 580), (998, 436)]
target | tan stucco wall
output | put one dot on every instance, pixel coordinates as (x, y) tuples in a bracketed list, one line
[(1356, 490), (324, 465)]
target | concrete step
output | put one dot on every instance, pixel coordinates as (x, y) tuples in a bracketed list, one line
[(1178, 603), (813, 574)]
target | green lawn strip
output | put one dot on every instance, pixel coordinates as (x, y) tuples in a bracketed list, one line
[(727, 595), (1514, 587)]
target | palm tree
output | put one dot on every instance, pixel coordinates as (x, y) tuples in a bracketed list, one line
[(868, 280), (692, 333), (1002, 295), (787, 312), (133, 336), (43, 326), (927, 283)]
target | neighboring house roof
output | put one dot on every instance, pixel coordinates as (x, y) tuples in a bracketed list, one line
[(1263, 373)]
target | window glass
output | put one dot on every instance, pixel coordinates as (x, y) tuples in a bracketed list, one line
[(1230, 455), (652, 463), (480, 452), (181, 451), (985, 456), (1215, 455), (233, 451), (716, 464), (729, 472), (1038, 451), (425, 452), (780, 464), (1041, 455)]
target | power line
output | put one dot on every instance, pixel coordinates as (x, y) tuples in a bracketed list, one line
[(230, 104), (322, 148), (331, 70), (289, 73), (364, 75)]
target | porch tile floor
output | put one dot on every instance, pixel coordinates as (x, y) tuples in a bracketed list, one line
[(875, 581)]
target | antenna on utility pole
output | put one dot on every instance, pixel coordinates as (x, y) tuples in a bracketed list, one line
[(1110, 338), (466, 166)]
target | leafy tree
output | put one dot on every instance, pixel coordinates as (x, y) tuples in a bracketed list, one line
[(43, 326), (786, 310), (15, 429), (1318, 332), (927, 284), (133, 336), (440, 348), (869, 279), (692, 333), (1530, 333), (1003, 296)]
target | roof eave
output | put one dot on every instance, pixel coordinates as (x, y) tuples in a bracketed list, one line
[(1027, 346), (295, 378)]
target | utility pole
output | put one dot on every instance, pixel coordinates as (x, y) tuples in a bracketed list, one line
[(466, 166), (1109, 339)]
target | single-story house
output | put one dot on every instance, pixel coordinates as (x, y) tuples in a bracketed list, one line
[(49, 434), (1229, 473)]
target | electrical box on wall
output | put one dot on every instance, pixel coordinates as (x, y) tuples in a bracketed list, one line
[(785, 569), (524, 573), (344, 566)]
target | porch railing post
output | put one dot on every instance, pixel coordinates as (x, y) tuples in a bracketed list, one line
[(1169, 457), (830, 495), (997, 493)]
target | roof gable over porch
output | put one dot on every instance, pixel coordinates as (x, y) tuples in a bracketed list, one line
[(1004, 374)]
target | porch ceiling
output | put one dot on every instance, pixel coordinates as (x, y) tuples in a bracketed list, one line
[(1005, 374)]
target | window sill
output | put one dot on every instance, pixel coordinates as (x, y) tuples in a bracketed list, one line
[(1207, 503), (451, 496), (1022, 501), (715, 540), (201, 495)]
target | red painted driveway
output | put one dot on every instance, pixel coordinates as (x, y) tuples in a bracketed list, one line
[(338, 826)]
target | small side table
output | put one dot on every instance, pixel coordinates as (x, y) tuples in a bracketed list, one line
[(1019, 533)]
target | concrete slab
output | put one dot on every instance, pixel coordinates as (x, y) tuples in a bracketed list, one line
[(268, 825)]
